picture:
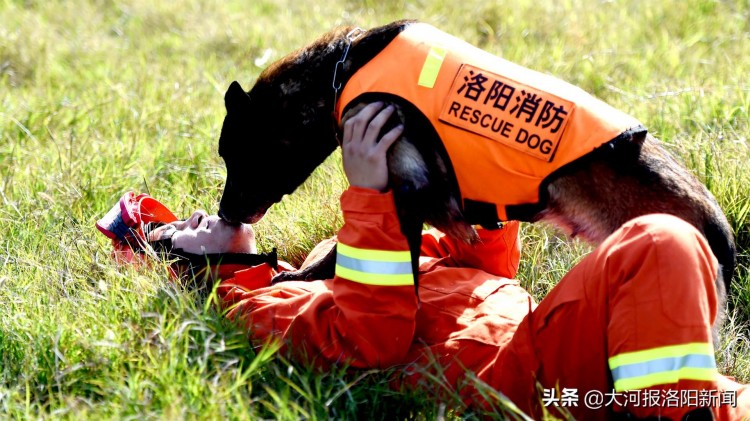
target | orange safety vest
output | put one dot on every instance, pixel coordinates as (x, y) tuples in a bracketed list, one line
[(505, 127)]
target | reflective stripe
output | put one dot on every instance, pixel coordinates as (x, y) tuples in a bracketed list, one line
[(431, 67), (663, 365), (661, 352), (685, 373), (374, 278), (374, 267), (369, 254)]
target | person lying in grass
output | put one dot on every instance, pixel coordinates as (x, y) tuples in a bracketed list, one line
[(627, 332)]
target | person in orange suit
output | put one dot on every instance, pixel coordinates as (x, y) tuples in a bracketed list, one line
[(625, 334)]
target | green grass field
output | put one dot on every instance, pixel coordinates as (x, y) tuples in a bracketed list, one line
[(98, 97)]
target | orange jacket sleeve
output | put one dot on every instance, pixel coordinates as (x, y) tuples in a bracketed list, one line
[(365, 316), (498, 251)]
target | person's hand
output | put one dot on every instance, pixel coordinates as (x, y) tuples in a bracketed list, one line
[(365, 163)]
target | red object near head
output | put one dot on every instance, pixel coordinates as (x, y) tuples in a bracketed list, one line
[(124, 222)]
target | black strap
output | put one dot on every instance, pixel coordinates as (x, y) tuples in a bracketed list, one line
[(245, 259), (165, 247), (482, 213)]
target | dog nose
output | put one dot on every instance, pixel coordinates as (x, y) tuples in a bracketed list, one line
[(227, 218)]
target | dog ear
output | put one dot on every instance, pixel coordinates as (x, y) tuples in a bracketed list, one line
[(236, 99), (639, 136)]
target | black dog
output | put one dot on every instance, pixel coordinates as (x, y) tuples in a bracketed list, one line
[(290, 112)]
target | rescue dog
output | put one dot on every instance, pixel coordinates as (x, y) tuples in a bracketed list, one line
[(290, 112)]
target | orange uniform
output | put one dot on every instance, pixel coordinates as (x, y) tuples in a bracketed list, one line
[(498, 121), (634, 316)]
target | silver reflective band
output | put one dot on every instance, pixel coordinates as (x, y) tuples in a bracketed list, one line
[(374, 266)]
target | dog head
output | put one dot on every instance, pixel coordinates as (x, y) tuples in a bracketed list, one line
[(267, 147), (276, 134), (237, 146)]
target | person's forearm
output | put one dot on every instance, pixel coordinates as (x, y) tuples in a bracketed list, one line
[(374, 284)]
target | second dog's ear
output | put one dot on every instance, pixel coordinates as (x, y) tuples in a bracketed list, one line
[(236, 99)]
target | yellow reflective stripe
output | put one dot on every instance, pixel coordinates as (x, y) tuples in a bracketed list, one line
[(374, 267), (377, 255), (666, 377), (431, 67), (661, 352), (375, 278)]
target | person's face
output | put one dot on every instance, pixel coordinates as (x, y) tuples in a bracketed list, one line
[(207, 234)]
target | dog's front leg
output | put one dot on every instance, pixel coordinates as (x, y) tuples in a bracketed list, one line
[(322, 268)]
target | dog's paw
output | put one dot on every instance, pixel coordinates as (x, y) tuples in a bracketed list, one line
[(289, 276)]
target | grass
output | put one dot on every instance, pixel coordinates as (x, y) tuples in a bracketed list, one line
[(98, 97)]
